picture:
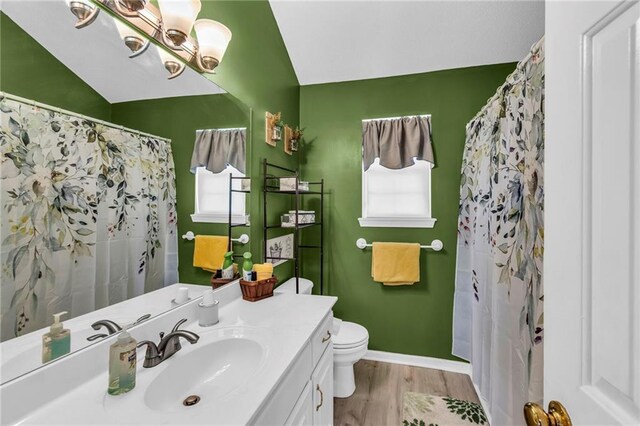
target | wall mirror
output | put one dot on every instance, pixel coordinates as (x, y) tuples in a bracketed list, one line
[(96, 168)]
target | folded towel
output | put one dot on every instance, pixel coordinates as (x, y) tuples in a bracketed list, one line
[(264, 271), (209, 251), (396, 263)]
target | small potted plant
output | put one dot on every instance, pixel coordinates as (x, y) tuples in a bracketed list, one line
[(296, 135)]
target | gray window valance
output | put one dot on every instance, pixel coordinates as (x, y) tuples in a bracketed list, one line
[(214, 149), (396, 141)]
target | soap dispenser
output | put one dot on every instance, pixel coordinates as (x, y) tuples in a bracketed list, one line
[(57, 341), (247, 266), (122, 364), (227, 266)]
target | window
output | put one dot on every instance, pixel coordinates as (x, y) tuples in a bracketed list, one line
[(397, 198), (212, 197)]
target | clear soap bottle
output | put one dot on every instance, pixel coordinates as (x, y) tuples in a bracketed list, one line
[(57, 341), (122, 364)]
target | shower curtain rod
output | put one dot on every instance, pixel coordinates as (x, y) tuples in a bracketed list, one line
[(75, 114), (535, 48), (395, 118), (225, 129)]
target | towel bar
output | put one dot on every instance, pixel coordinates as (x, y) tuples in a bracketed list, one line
[(244, 238), (436, 245)]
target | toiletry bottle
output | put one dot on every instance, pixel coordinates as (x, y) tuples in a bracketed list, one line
[(227, 266), (57, 341), (247, 266), (208, 310), (122, 364)]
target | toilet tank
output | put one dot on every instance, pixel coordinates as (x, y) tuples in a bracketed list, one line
[(289, 286)]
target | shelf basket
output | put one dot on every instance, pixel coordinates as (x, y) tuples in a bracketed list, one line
[(219, 282), (257, 290)]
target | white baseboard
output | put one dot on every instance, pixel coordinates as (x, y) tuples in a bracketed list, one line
[(428, 362), (419, 361)]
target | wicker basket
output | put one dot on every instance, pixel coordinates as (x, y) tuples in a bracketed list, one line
[(257, 290), (219, 282)]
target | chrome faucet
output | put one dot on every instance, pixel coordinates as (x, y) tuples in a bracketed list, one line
[(169, 345), (111, 327)]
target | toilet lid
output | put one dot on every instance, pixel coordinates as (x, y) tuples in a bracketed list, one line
[(350, 335)]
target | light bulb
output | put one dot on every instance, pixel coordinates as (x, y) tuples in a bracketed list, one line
[(213, 39), (178, 17)]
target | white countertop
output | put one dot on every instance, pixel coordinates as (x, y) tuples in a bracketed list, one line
[(24, 353), (283, 323)]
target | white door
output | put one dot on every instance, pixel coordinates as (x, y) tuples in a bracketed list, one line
[(592, 208)]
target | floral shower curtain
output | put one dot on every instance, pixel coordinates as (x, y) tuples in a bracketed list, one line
[(498, 320), (88, 215)]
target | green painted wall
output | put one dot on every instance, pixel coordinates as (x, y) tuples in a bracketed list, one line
[(178, 119), (256, 69), (27, 69), (408, 319)]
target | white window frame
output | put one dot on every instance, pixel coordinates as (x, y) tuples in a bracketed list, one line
[(202, 217), (396, 221)]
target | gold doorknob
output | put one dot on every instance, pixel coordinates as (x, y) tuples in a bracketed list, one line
[(535, 415)]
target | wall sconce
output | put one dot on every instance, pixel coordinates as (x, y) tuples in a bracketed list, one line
[(178, 18), (214, 39), (171, 63), (170, 26), (134, 41), (85, 11)]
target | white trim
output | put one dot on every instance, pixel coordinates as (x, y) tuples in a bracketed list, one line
[(419, 361), (396, 222), (219, 218), (428, 362)]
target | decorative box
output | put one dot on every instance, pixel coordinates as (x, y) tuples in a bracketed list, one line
[(304, 217), (289, 184)]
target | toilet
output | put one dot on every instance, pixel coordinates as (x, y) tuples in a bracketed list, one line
[(350, 341)]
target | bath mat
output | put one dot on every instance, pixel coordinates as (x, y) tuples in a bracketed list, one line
[(421, 409)]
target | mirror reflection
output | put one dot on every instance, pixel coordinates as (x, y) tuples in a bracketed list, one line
[(93, 138)]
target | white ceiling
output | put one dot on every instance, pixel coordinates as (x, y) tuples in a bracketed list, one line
[(97, 55), (331, 41)]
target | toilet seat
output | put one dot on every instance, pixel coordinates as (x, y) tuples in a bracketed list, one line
[(350, 335)]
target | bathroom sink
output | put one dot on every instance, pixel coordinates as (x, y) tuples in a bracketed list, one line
[(209, 372)]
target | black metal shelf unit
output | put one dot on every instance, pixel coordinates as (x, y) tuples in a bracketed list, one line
[(232, 225), (273, 173)]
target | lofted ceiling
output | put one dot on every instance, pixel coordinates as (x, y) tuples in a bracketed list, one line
[(331, 41), (97, 55)]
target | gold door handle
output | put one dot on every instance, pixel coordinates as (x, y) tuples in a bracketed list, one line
[(321, 397), (535, 415), (324, 339)]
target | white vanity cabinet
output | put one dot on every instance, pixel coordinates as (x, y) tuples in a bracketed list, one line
[(305, 394), (322, 381)]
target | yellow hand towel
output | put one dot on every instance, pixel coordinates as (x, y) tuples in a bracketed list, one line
[(209, 251), (264, 271), (396, 263)]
